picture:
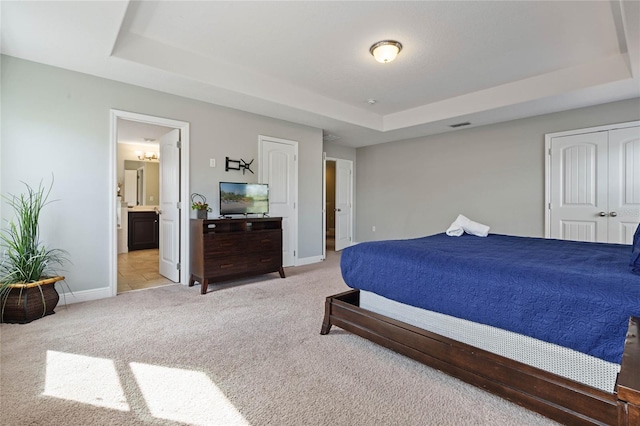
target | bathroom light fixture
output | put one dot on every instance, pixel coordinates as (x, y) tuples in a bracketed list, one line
[(147, 155), (386, 50)]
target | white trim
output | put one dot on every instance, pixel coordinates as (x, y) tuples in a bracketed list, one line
[(294, 144), (324, 205), (309, 260), (547, 162), (112, 193), (84, 295), (547, 185), (604, 128)]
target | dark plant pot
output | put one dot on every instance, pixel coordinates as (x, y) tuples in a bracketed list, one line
[(201, 214), (25, 303)]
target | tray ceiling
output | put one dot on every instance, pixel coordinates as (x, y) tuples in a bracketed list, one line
[(308, 62)]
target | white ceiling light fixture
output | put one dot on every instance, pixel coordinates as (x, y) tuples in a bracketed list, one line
[(386, 50)]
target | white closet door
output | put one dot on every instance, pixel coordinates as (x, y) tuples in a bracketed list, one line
[(579, 182), (624, 184), (279, 168)]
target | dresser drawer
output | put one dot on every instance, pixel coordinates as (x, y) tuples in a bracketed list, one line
[(265, 261), (225, 266), (222, 245), (262, 241)]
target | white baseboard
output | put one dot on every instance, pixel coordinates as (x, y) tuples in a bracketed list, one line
[(308, 260), (84, 295)]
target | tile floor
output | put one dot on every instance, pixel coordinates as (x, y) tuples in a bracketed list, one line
[(139, 269)]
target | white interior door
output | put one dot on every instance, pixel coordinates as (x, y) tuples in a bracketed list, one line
[(624, 184), (278, 168), (579, 185), (169, 253), (343, 206)]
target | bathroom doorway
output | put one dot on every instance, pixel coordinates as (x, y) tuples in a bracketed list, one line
[(147, 243), (138, 174)]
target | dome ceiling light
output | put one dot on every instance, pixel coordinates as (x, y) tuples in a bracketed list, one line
[(386, 50)]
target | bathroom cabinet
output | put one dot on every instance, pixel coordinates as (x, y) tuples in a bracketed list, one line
[(143, 230)]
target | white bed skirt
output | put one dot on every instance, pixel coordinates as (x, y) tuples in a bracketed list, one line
[(555, 359)]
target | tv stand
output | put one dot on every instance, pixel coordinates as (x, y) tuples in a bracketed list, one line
[(228, 249)]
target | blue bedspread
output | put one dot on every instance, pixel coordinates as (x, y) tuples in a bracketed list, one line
[(574, 294)]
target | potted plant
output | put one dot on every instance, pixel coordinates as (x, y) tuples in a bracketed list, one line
[(199, 204), (28, 268)]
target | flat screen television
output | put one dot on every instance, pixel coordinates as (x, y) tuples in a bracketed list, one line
[(244, 198)]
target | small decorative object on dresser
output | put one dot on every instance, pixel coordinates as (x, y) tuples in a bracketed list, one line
[(199, 204), (227, 249)]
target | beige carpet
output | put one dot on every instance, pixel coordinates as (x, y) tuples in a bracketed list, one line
[(248, 354)]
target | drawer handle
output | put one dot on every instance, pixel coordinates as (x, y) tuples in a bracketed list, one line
[(266, 240), (265, 260), (227, 265)]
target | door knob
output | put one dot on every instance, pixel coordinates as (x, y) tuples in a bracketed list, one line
[(613, 214), (602, 214), (338, 210)]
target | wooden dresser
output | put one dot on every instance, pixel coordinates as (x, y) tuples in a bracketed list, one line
[(227, 249)]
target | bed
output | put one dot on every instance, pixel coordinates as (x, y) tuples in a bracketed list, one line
[(548, 324)]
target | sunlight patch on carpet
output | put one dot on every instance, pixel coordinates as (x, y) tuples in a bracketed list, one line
[(185, 396), (84, 379)]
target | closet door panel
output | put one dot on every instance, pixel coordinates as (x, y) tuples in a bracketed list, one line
[(624, 184), (579, 187)]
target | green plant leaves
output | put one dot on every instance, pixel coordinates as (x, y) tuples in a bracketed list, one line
[(24, 258)]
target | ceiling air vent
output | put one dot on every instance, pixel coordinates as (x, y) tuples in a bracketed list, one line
[(466, 123)]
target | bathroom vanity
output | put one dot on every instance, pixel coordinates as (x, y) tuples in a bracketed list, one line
[(143, 232)]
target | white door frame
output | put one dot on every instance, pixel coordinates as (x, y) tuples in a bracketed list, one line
[(547, 162), (324, 205), (324, 201), (112, 193)]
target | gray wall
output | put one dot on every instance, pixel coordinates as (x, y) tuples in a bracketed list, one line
[(56, 122), (492, 174), (341, 152)]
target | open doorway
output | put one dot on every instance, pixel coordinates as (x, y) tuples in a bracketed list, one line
[(338, 196), (138, 202), (330, 205), (150, 172)]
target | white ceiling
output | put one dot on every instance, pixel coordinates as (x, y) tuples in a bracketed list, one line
[(309, 61), (134, 132)]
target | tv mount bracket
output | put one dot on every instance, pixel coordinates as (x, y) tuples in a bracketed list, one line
[(238, 165)]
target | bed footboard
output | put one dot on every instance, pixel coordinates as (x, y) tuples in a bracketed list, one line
[(553, 396), (629, 378)]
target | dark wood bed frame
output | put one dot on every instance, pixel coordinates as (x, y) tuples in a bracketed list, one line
[(556, 397)]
